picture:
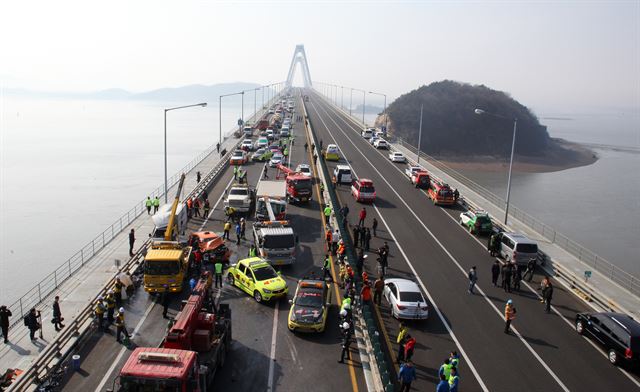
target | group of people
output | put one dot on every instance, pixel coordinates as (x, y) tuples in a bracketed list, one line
[(510, 275), (106, 307), (448, 374), (149, 203), (406, 346), (32, 320), (194, 204)]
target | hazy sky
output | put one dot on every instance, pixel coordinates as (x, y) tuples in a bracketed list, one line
[(547, 53)]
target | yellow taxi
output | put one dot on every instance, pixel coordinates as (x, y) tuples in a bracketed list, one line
[(256, 277), (332, 153), (309, 307)]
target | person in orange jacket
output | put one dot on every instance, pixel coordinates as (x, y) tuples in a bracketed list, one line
[(365, 293), (409, 347), (509, 315)]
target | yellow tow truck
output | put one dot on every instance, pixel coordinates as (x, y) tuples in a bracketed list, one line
[(166, 264)]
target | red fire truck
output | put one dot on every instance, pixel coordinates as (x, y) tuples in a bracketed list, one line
[(439, 192), (195, 347), (298, 185)]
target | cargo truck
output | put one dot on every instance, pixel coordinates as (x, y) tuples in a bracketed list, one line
[(274, 193)]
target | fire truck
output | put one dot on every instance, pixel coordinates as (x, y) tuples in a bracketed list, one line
[(298, 185), (189, 356), (439, 192)]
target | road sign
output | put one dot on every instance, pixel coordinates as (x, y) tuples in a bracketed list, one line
[(587, 274), (240, 122)]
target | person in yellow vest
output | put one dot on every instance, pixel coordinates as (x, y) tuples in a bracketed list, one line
[(218, 271), (117, 291), (327, 213), (121, 327), (111, 306), (148, 203), (453, 380), (156, 204), (509, 315), (99, 311), (402, 335), (227, 228)]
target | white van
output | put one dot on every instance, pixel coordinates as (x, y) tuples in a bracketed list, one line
[(342, 173), (517, 247), (367, 133)]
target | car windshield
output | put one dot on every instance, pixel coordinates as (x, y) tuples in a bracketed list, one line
[(238, 192), (161, 267), (304, 170), (410, 296), (277, 157), (527, 248), (264, 273), (367, 189), (260, 151), (278, 241), (483, 219), (237, 154), (309, 298), (302, 184)]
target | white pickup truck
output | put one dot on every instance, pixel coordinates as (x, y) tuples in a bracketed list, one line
[(412, 169), (239, 197)]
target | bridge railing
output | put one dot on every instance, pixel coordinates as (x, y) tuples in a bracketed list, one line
[(588, 257), (47, 285)]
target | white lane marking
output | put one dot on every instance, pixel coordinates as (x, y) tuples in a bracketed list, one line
[(526, 344), (563, 318), (124, 349), (433, 302), (272, 355), (216, 205)]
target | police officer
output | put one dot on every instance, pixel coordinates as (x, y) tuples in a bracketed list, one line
[(121, 326), (346, 341)]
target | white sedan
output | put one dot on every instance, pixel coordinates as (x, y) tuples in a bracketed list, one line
[(397, 157), (381, 144), (405, 299), (276, 159), (304, 169)]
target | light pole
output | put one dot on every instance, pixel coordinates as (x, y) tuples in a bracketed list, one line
[(385, 109), (350, 101), (420, 134), (242, 110), (342, 97), (220, 113), (203, 104), (513, 147), (255, 102)]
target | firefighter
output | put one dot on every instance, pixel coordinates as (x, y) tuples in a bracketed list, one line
[(99, 311), (111, 306), (121, 326)]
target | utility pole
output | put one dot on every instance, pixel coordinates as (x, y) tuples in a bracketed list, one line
[(420, 133)]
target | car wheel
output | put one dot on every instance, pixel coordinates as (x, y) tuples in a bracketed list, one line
[(471, 229), (231, 280), (613, 357), (257, 296), (579, 327)]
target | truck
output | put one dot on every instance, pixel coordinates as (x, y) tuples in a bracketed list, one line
[(240, 197), (275, 120), (273, 193), (275, 241), (263, 124), (420, 179), (298, 185), (166, 264), (190, 354)]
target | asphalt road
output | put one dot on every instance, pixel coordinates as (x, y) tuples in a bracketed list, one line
[(264, 355), (429, 246)]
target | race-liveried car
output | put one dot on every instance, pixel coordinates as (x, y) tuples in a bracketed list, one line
[(332, 153), (262, 154), (477, 222), (257, 277), (309, 306)]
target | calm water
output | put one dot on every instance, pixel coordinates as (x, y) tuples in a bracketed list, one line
[(597, 206), (70, 168)]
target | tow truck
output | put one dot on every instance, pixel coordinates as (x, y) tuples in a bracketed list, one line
[(195, 347), (166, 264), (298, 185), (273, 194), (240, 197), (275, 239)]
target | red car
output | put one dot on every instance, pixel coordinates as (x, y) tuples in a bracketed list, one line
[(363, 190)]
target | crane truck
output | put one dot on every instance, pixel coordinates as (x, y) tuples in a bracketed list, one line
[(195, 347), (166, 264), (298, 185)]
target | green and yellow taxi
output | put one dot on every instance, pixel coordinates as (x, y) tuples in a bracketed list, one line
[(262, 154), (256, 277), (309, 307), (332, 153)]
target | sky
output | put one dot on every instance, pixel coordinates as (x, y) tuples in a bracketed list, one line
[(544, 53)]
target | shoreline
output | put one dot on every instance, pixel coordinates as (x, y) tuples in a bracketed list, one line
[(562, 155)]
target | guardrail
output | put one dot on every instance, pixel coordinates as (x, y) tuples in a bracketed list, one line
[(78, 330), (591, 259)]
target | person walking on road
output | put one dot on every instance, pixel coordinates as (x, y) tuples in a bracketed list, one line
[(326, 267), (517, 277), (327, 213), (198, 177), (406, 375), (235, 172), (367, 239), (148, 203), (495, 273), (344, 211), (110, 300), (445, 369), (218, 147), (378, 286), (346, 342), (31, 322), (374, 227), (306, 145), (547, 295), (531, 267), (218, 272), (196, 207), (509, 315), (402, 335), (156, 204), (409, 346), (362, 216), (328, 236), (132, 240), (4, 322), (121, 327), (57, 314), (356, 235), (365, 293), (473, 278), (265, 175), (238, 233), (165, 304), (443, 385), (243, 228), (207, 207), (454, 380), (507, 273), (492, 244), (227, 229)]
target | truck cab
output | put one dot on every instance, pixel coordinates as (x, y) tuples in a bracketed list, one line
[(363, 190), (420, 179), (276, 242), (239, 197), (440, 192), (166, 266)]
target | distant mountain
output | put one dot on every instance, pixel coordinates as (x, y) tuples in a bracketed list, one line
[(451, 127), (368, 109), (191, 93)]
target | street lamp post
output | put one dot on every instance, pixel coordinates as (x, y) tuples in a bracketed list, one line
[(513, 147), (342, 97), (350, 101), (385, 109), (420, 134), (203, 104), (220, 113)]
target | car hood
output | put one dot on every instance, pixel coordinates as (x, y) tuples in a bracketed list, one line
[(306, 314), (274, 284)]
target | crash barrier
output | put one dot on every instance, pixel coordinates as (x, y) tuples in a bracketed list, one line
[(589, 258), (369, 323), (59, 352)]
